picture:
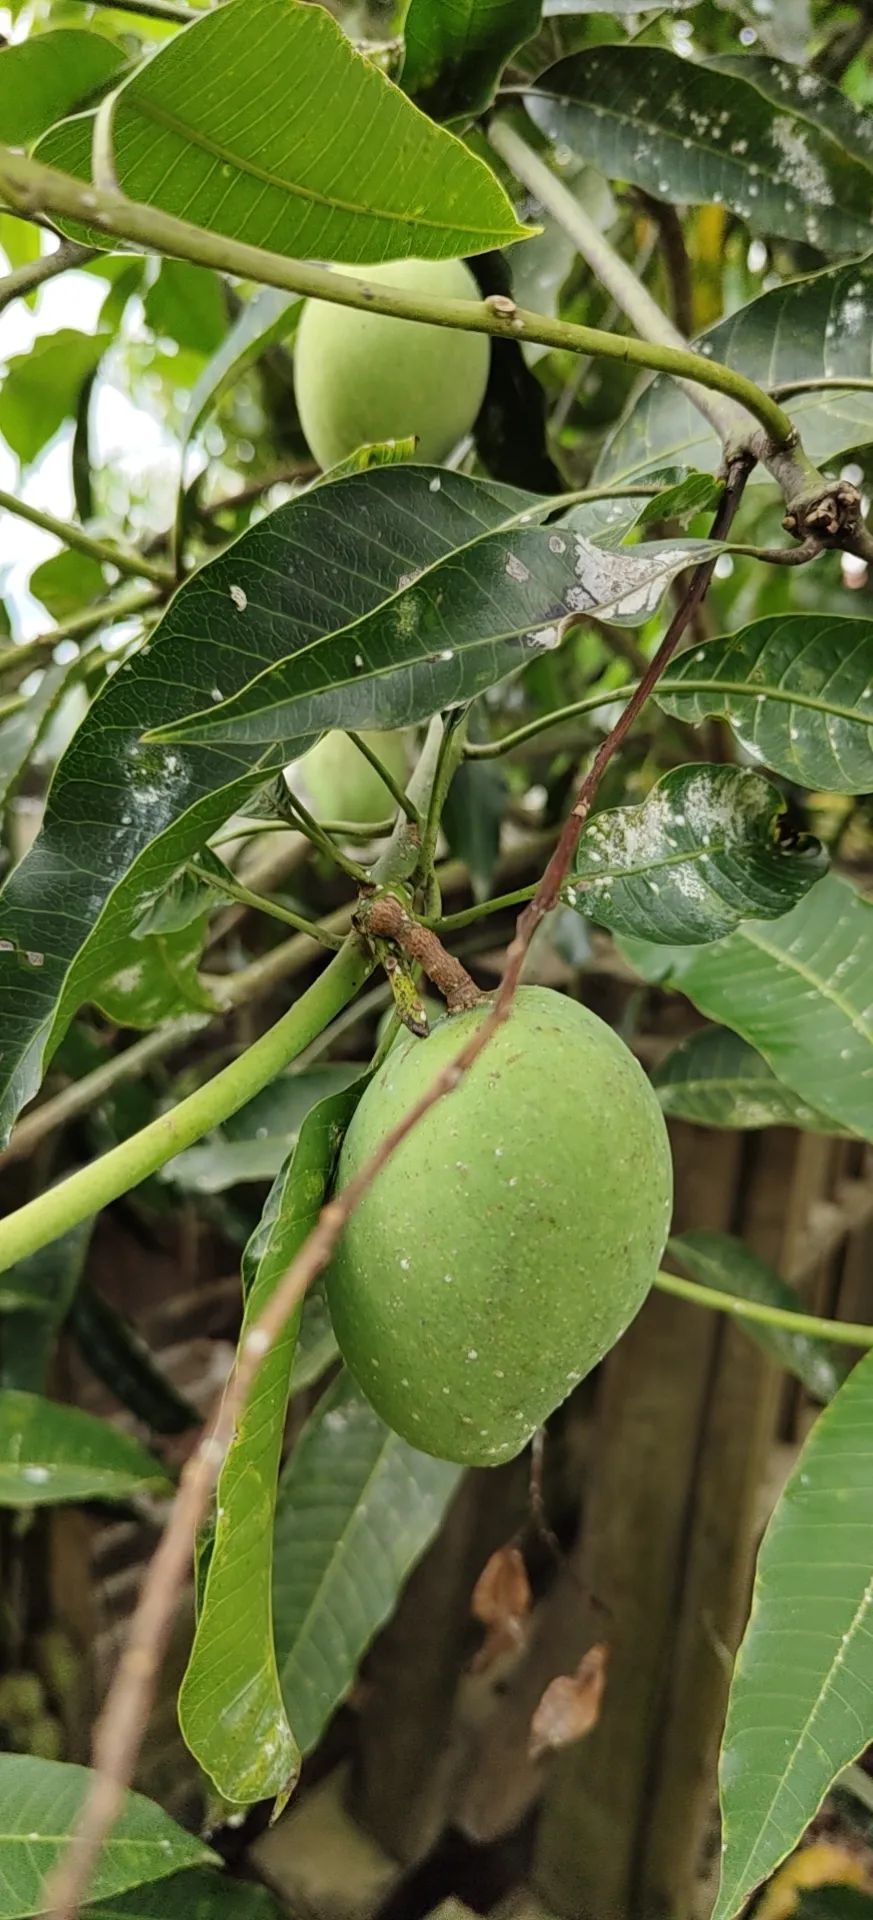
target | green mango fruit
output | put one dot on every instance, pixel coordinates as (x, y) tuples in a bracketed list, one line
[(362, 378), (511, 1237), (337, 782)]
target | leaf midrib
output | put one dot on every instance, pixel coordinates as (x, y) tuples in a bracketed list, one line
[(746, 691)]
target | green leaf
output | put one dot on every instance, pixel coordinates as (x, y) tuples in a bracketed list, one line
[(814, 328), (50, 75), (385, 185), (231, 1709), (703, 852), (807, 96), (456, 52), (797, 690), (798, 1710), (693, 135), (158, 979), (305, 570), (357, 1507), (834, 1903), (113, 1350), (50, 1453), (41, 1802), (316, 1344), (472, 819), (718, 1260), (445, 635), (199, 1894), (186, 304), (22, 733), (42, 387), (716, 1079), (67, 582), (268, 317), (800, 990), (254, 1144), (35, 1298)]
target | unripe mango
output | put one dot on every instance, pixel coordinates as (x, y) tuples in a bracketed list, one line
[(511, 1237), (361, 378), (337, 782)]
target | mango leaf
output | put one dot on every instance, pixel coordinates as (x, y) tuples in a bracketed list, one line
[(230, 1706), (694, 136), (444, 636), (199, 1894), (50, 75), (42, 387), (316, 1343), (386, 184), (799, 989), (718, 1260), (807, 95), (357, 1507), (41, 1803), (35, 1298), (254, 1144), (186, 303), (50, 1453), (456, 52), (703, 852), (716, 1079), (158, 979), (797, 690), (113, 1350), (818, 327), (67, 581), (834, 1903), (798, 1709), (306, 570), (267, 317)]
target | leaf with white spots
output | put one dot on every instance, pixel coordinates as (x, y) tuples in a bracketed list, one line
[(706, 849), (692, 135), (447, 633), (716, 1079), (797, 689), (357, 1507), (230, 1706), (799, 1709), (799, 989)]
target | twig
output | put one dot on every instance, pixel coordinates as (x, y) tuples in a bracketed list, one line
[(676, 261), (170, 11), (847, 1333), (247, 897), (395, 789), (108, 552), (128, 601), (34, 273), (121, 1726), (387, 919)]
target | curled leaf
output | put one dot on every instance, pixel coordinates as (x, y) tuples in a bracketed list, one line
[(570, 1706)]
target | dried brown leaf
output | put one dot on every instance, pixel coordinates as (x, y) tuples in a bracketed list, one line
[(502, 1601), (570, 1706)]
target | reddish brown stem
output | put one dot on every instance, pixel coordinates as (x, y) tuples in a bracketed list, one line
[(387, 918)]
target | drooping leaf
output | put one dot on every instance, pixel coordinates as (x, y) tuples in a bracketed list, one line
[(113, 1350), (703, 852), (692, 135), (42, 386), (231, 1708), (186, 303), (799, 989), (472, 819), (818, 327), (199, 1894), (35, 1298), (387, 183), (797, 1713), (50, 1453), (716, 1079), (444, 636), (356, 1509), (41, 1802), (255, 1143), (50, 75), (797, 690), (718, 1260), (456, 52), (308, 569)]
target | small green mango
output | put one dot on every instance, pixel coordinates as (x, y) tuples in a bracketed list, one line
[(362, 378), (337, 782), (512, 1236)]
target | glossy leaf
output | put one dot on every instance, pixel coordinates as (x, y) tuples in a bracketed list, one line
[(50, 1453), (807, 95), (41, 1802), (447, 634), (231, 1709), (799, 989), (456, 52), (199, 1894), (51, 75), (703, 852), (718, 1260), (797, 1713), (715, 1079), (386, 185), (307, 569), (809, 329), (797, 690), (42, 387), (691, 135), (357, 1507)]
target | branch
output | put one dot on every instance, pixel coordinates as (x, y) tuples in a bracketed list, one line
[(386, 918), (128, 601), (34, 273), (109, 554), (122, 1723), (27, 185), (260, 903), (171, 11)]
